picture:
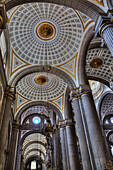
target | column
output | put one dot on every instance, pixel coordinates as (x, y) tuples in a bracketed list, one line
[(63, 147), (57, 151), (84, 144), (104, 27), (71, 136), (9, 94), (57, 147), (94, 133), (13, 148)]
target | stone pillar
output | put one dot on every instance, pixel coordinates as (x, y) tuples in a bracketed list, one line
[(84, 145), (104, 27), (57, 147), (63, 147), (13, 148), (4, 104), (9, 94), (95, 137), (71, 136), (57, 151)]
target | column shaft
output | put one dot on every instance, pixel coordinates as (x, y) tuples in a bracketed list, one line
[(81, 135), (74, 161), (4, 133), (72, 148), (63, 147), (4, 127), (100, 154), (107, 34), (12, 149), (57, 151)]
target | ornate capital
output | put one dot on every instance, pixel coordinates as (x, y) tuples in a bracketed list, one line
[(103, 21), (66, 122), (78, 92), (10, 92)]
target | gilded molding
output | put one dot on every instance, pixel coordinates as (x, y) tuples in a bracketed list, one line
[(101, 29)]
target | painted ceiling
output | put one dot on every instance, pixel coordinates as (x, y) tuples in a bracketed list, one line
[(105, 70), (31, 149), (28, 26), (29, 90), (46, 34)]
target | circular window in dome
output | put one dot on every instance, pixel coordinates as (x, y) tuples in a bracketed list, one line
[(36, 120), (111, 120)]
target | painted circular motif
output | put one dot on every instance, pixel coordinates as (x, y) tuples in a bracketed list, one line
[(45, 34), (45, 31), (96, 63), (41, 80)]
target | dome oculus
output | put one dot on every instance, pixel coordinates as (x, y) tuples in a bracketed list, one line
[(36, 120), (45, 31)]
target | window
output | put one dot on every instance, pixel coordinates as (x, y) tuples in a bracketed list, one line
[(33, 165)]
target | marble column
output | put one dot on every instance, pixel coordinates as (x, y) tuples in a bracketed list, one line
[(13, 148), (71, 136), (83, 142), (94, 133), (9, 94), (104, 27)]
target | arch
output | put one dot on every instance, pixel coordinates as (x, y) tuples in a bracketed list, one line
[(81, 72), (38, 103), (27, 134), (31, 157), (32, 69), (100, 103), (82, 78), (84, 6), (99, 79), (29, 143), (27, 113), (34, 149), (26, 117)]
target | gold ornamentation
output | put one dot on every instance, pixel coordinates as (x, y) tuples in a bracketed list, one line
[(108, 165), (99, 2), (1, 21), (41, 80), (96, 63), (45, 31)]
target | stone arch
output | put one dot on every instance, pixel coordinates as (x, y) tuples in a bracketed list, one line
[(84, 6), (38, 103), (35, 149), (82, 78), (29, 143), (30, 157), (27, 134), (32, 69), (100, 104), (81, 72)]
